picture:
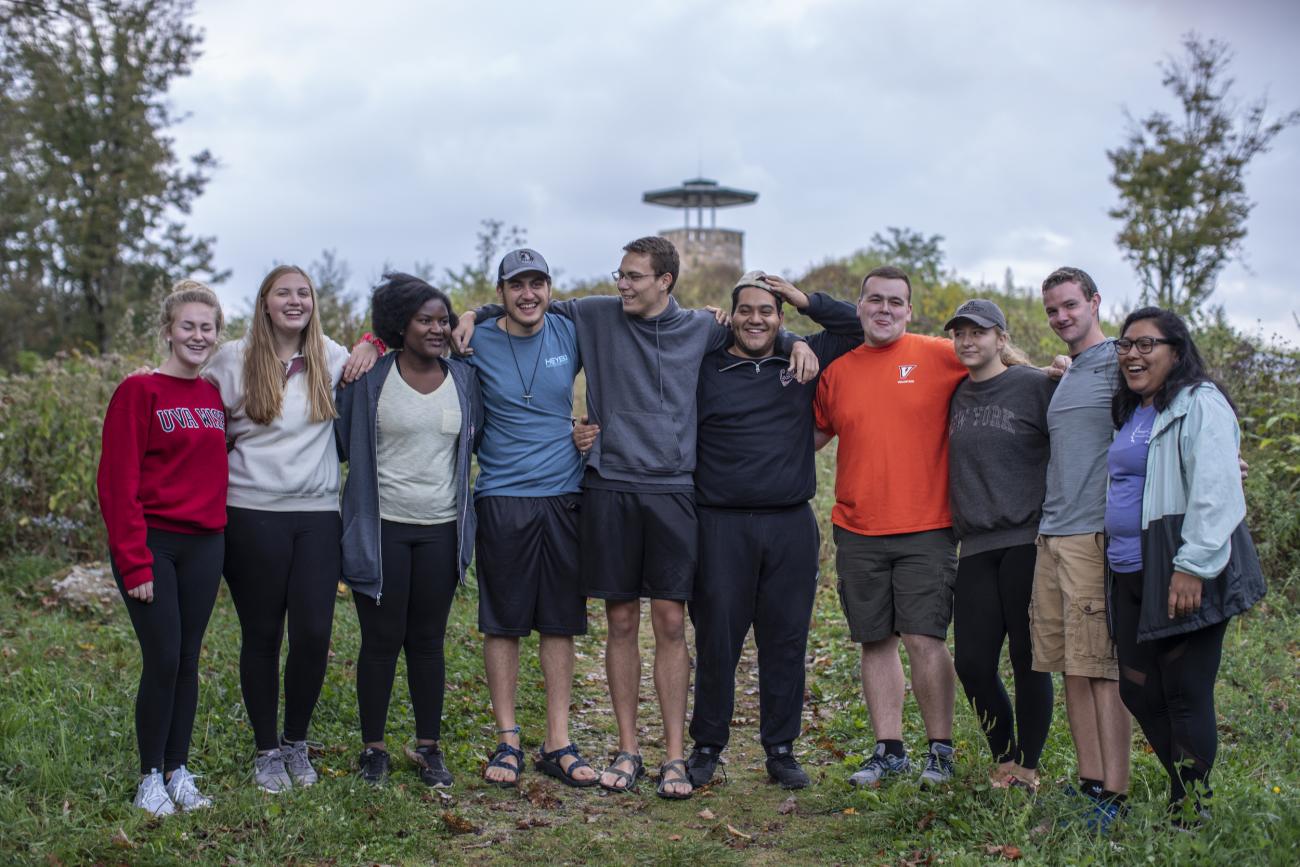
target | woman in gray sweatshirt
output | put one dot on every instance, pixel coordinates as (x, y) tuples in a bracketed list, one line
[(998, 450)]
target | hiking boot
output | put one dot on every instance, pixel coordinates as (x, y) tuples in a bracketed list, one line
[(374, 765), (297, 762), (152, 795), (269, 773), (938, 765), (431, 769), (783, 768), (702, 764), (881, 765), (183, 792)]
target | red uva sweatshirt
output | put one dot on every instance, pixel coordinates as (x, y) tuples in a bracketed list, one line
[(163, 466)]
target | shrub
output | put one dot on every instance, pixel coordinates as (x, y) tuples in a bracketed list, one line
[(50, 425)]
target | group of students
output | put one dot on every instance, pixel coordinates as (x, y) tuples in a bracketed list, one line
[(688, 481)]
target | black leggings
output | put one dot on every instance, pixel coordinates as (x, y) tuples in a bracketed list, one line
[(1168, 686), (991, 603), (186, 573), (280, 563), (419, 574)]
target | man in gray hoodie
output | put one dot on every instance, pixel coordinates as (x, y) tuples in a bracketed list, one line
[(642, 354)]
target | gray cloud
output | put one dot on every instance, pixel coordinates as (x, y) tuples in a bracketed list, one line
[(388, 131)]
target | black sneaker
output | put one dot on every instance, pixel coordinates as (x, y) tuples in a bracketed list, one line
[(374, 766), (784, 769), (702, 764), (430, 767)]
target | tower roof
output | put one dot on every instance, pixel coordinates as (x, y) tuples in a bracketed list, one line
[(698, 193)]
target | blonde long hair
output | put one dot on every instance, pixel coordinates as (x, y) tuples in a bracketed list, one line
[(1011, 354), (264, 379)]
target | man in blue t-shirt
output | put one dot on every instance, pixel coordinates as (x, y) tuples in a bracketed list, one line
[(527, 502)]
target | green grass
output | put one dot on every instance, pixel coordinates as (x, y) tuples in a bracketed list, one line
[(67, 766)]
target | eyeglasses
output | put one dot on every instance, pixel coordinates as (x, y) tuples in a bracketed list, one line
[(1144, 345), (631, 276)]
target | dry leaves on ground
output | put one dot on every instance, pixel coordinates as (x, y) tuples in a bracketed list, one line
[(1011, 853), (459, 824)]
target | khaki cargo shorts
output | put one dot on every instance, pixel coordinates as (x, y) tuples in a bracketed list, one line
[(1067, 614)]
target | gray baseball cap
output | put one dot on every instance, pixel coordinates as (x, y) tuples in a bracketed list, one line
[(520, 261), (981, 311), (757, 279)]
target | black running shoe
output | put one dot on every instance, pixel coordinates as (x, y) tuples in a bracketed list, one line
[(702, 764), (374, 766), (430, 767), (784, 769)]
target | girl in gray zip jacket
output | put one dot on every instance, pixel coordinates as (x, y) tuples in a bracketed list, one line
[(407, 430)]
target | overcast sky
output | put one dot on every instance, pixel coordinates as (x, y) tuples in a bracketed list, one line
[(387, 130)]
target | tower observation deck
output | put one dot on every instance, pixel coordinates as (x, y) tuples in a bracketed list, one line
[(704, 248)]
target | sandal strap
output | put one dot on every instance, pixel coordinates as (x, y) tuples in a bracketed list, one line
[(556, 755), (516, 730), (678, 765), (504, 751)]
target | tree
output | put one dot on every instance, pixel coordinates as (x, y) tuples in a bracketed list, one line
[(93, 190), (1181, 180), (337, 306), (475, 283)]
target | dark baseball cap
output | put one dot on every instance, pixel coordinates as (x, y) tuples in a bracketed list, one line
[(521, 261), (981, 311)]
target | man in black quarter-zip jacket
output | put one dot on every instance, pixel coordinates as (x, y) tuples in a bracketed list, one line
[(759, 542)]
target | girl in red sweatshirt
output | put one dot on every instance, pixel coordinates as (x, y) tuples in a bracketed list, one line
[(162, 491)]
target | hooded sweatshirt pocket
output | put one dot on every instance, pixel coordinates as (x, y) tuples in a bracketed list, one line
[(642, 442)]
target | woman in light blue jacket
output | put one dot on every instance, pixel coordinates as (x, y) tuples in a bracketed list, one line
[(1181, 560)]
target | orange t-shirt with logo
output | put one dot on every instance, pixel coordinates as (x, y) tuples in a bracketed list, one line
[(889, 407)]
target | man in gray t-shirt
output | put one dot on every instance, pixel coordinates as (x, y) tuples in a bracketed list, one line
[(1068, 611)]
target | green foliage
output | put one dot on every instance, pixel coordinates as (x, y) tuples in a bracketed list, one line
[(1264, 381), (50, 425), (340, 316), (68, 764), (475, 283), (1181, 180), (94, 192)]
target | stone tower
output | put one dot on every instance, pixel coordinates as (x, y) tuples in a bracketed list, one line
[(702, 249)]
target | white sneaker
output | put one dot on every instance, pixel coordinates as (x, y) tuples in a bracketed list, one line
[(184, 793), (152, 795)]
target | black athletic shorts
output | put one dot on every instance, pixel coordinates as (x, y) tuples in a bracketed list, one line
[(637, 545), (527, 550)]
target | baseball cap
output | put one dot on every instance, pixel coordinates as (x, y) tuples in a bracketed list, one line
[(981, 311), (520, 261), (757, 279)]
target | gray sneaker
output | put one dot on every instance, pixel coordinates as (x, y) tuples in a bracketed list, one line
[(270, 774), (183, 792), (297, 762), (152, 795), (881, 765), (938, 765)]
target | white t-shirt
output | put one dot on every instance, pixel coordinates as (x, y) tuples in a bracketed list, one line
[(416, 451)]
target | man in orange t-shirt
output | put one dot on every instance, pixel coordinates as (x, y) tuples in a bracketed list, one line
[(896, 555)]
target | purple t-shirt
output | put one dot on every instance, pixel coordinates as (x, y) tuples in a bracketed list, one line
[(1127, 463)]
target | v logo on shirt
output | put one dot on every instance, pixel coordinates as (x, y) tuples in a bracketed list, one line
[(905, 371)]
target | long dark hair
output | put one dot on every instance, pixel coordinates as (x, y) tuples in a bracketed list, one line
[(1188, 370)]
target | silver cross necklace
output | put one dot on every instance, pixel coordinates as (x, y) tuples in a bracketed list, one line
[(528, 387)]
